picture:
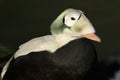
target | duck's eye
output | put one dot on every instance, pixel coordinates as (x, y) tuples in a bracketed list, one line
[(71, 17)]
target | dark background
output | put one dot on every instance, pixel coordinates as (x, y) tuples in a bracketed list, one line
[(22, 20)]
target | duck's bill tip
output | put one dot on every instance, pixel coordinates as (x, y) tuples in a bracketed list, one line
[(92, 36)]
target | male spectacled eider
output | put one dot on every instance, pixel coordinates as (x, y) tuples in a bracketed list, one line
[(66, 54)]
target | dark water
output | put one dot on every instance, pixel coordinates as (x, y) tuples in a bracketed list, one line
[(21, 20)]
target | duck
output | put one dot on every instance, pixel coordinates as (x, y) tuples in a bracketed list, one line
[(66, 54)]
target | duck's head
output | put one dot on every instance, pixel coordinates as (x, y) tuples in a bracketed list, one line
[(73, 24)]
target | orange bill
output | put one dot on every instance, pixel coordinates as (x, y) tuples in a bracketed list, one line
[(93, 36)]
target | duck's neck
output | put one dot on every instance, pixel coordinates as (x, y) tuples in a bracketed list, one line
[(63, 39)]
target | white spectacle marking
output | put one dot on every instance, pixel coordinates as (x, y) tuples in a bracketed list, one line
[(71, 18)]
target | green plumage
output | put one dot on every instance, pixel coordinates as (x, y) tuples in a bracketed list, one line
[(58, 26)]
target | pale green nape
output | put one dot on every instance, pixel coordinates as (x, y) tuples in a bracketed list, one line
[(57, 26)]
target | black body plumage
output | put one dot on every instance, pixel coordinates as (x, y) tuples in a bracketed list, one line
[(70, 62)]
